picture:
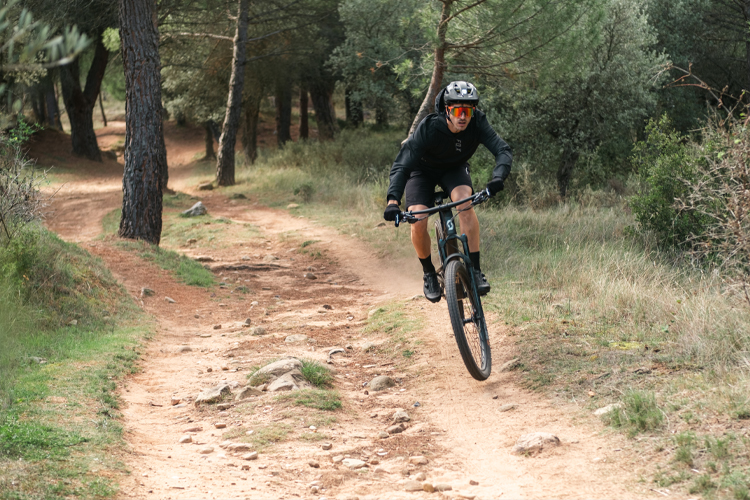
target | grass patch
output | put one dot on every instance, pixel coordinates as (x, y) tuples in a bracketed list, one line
[(185, 269), (314, 437), (319, 399), (264, 437), (639, 413), (317, 374)]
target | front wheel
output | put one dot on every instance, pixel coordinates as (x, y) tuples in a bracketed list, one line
[(467, 319)]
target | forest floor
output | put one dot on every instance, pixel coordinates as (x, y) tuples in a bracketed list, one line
[(465, 429)]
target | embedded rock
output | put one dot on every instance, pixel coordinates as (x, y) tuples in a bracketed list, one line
[(196, 210), (248, 392), (291, 381), (213, 394), (381, 383), (534, 443)]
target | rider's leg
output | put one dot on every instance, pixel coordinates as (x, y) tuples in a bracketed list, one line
[(420, 238), (468, 219)]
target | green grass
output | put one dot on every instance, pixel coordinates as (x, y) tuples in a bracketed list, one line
[(185, 269), (639, 413), (263, 437), (317, 374), (59, 420), (319, 399)]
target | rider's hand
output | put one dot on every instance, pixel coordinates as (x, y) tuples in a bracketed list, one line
[(391, 211), (495, 185)]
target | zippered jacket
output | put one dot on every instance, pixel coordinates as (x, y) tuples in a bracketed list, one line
[(435, 149)]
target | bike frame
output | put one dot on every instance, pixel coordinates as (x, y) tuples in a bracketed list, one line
[(447, 218)]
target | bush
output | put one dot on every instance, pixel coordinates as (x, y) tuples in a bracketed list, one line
[(20, 202), (638, 413), (667, 164)]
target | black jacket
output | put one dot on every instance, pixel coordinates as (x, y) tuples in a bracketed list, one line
[(434, 148)]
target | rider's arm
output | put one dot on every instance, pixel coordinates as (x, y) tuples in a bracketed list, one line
[(408, 158), (496, 146)]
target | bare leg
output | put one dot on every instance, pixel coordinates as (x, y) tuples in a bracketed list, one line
[(420, 238), (468, 219)]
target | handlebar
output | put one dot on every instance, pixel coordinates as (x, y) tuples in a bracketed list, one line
[(411, 218)]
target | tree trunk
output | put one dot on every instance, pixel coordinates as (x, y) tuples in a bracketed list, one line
[(354, 112), (325, 115), (436, 82), (381, 115), (225, 158), (210, 155), (746, 12), (80, 103), (250, 130), (283, 112), (304, 131), (565, 171), (145, 154)]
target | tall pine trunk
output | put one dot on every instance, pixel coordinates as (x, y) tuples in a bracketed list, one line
[(283, 112), (250, 130), (321, 92), (436, 82), (209, 140), (304, 130), (225, 158), (80, 103), (145, 154)]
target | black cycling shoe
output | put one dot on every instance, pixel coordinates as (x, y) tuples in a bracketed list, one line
[(432, 290), (482, 284)]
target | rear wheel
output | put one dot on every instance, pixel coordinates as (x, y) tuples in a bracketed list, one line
[(467, 319)]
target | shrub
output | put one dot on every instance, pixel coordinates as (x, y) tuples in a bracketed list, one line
[(317, 374), (638, 413), (20, 202), (667, 164)]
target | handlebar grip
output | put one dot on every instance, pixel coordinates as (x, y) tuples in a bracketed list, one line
[(397, 221)]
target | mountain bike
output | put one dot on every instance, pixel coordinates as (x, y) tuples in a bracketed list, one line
[(458, 284)]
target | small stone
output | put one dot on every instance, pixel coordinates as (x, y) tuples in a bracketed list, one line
[(418, 460), (220, 425), (204, 258), (209, 369), (292, 205), (175, 400), (534, 442), (185, 348), (353, 463), (326, 446), (270, 258), (223, 406), (250, 456), (258, 330), (207, 186), (508, 407), (373, 461), (382, 435), (413, 486), (247, 322), (206, 450), (170, 300), (314, 464), (248, 392), (225, 367), (400, 416), (382, 382), (368, 346), (245, 467), (338, 459), (297, 337), (193, 429), (473, 483), (421, 476), (217, 327), (310, 276), (213, 394), (443, 487), (607, 409), (191, 241), (395, 429), (147, 292), (429, 488), (186, 439)]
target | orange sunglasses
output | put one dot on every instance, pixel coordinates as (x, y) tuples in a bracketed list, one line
[(459, 109)]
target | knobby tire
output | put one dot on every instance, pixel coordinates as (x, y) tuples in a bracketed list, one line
[(471, 337)]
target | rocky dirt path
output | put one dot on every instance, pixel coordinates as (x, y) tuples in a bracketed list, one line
[(464, 429)]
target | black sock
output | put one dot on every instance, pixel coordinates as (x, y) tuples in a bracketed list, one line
[(427, 266), (474, 256)]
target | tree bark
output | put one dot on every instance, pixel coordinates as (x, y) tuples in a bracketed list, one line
[(145, 154), (80, 103), (210, 155), (381, 116), (436, 82), (250, 130), (283, 112), (304, 130), (354, 111), (225, 158), (325, 115), (565, 171)]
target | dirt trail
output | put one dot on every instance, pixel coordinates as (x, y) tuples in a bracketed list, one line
[(459, 424)]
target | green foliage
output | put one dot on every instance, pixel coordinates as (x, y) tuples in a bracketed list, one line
[(185, 269), (639, 413), (317, 374), (319, 399), (33, 441), (667, 163)]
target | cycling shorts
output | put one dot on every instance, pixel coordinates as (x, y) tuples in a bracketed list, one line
[(420, 187)]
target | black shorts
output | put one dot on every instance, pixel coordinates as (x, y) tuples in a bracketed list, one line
[(420, 187)]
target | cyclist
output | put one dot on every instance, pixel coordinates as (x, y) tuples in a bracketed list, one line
[(437, 154)]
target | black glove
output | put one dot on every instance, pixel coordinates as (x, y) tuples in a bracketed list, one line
[(495, 185), (391, 211)]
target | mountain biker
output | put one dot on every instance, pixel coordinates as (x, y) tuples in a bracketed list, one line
[(437, 154)]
